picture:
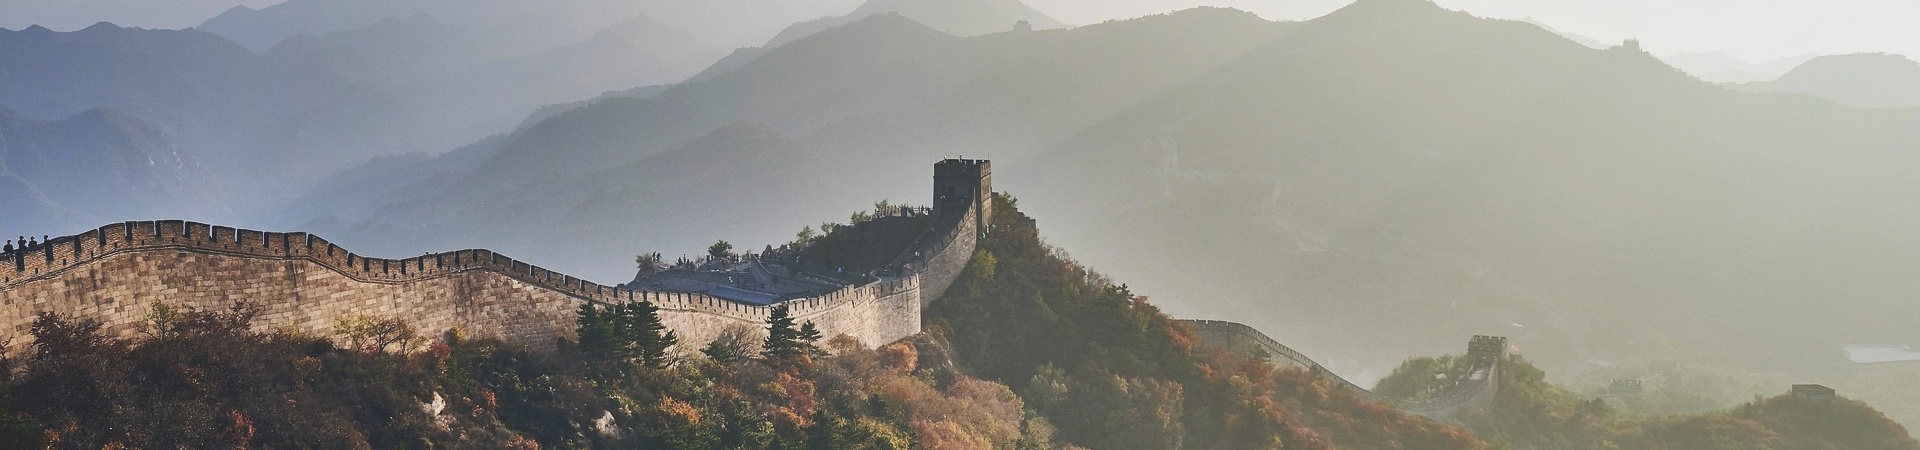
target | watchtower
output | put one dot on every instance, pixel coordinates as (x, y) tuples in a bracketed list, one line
[(964, 183), (1813, 392), (1484, 351)]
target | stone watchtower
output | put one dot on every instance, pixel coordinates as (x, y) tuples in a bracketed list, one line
[(1485, 351), (964, 183)]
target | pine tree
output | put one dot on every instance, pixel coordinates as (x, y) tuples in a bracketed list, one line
[(721, 351), (652, 338), (809, 338), (625, 331), (787, 346), (596, 332), (783, 343)]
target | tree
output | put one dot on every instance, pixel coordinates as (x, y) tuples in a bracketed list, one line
[(805, 237), (720, 250), (630, 331), (733, 344), (786, 345), (649, 336), (810, 335), (595, 331), (722, 351), (368, 334)]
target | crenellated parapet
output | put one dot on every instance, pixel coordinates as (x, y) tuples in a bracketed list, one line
[(113, 273), (304, 282)]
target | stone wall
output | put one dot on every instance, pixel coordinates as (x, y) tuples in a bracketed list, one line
[(944, 253), (115, 273), (1469, 395), (1238, 337)]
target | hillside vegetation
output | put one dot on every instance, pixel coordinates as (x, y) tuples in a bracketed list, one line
[(1531, 414)]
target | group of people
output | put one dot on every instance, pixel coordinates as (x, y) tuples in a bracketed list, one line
[(23, 243)]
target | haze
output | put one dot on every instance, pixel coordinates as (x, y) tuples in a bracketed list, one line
[(1317, 170), (1755, 31)]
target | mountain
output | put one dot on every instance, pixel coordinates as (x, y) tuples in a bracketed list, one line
[(214, 96), (464, 83), (1405, 167), (1390, 166), (864, 98), (272, 124), (94, 167), (1865, 80), (678, 47), (1582, 40), (260, 29), (723, 23), (1723, 68), (147, 73), (563, 20), (956, 17)]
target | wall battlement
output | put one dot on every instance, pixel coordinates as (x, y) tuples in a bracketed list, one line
[(115, 272)]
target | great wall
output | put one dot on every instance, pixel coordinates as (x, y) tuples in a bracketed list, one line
[(115, 273), (1476, 390), (304, 282)]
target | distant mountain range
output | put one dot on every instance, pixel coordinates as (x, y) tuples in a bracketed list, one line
[(1405, 167), (1393, 165), (955, 17), (211, 95), (1866, 80), (878, 94), (95, 167), (724, 23), (1723, 68), (279, 120)]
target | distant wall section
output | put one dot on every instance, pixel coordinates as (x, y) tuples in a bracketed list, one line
[(1474, 393)]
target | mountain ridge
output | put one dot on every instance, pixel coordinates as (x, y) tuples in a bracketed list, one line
[(1861, 80), (96, 165)]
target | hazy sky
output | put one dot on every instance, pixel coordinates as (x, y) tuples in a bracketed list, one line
[(1756, 30)]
